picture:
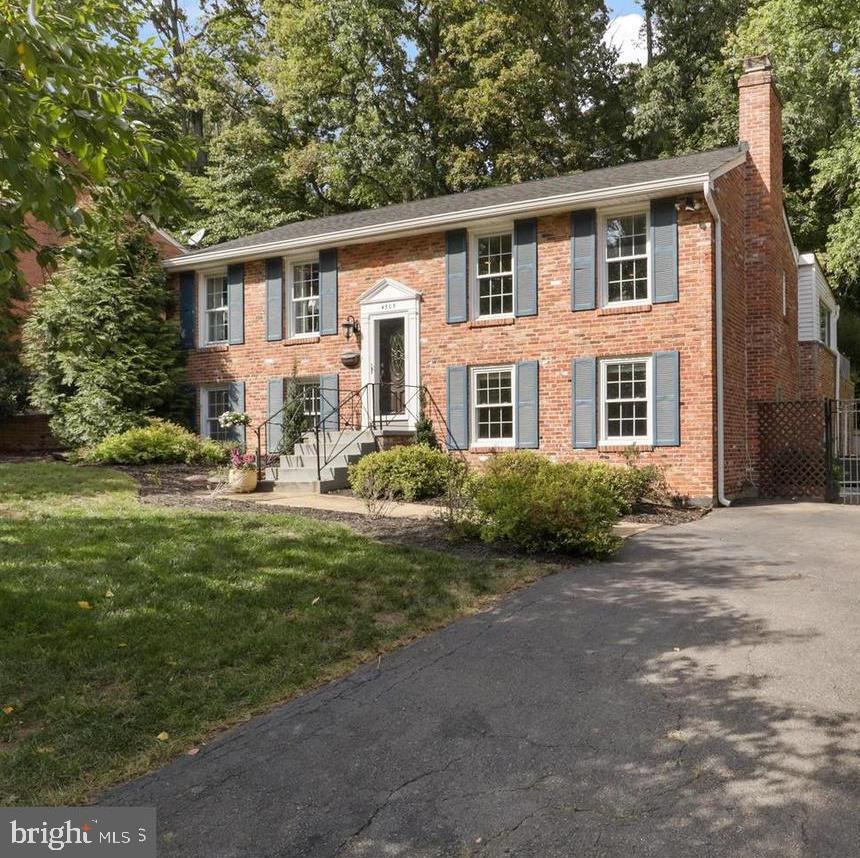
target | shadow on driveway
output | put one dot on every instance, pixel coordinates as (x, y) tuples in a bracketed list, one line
[(696, 696)]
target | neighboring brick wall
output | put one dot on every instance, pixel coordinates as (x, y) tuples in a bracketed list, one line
[(554, 337), (818, 368), (27, 433)]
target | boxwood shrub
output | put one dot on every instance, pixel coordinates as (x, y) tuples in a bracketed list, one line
[(539, 505), (408, 472), (158, 442)]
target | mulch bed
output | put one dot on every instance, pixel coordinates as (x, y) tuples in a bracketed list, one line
[(176, 485), (179, 486)]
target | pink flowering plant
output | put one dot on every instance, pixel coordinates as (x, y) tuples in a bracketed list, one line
[(240, 461)]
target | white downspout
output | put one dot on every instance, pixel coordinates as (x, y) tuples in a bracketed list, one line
[(718, 264)]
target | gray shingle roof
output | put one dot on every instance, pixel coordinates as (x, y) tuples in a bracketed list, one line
[(594, 180)]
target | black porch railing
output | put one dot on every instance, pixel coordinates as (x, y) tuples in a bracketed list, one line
[(356, 409)]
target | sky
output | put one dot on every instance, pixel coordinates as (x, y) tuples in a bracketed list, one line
[(624, 31)]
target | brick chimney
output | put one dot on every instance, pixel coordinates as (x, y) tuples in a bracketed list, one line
[(772, 343), (760, 123)]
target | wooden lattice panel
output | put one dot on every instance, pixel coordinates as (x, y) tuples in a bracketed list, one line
[(792, 460)]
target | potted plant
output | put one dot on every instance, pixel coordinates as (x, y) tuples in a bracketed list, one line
[(242, 476)]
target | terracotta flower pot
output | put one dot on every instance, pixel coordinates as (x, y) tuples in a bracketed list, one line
[(242, 480)]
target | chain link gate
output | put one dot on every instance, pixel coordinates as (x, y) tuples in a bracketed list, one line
[(843, 450)]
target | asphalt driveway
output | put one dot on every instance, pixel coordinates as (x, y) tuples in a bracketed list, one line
[(697, 696)]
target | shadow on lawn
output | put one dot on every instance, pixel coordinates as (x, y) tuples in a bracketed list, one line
[(615, 710), (118, 626)]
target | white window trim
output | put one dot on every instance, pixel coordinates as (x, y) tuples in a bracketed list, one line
[(603, 217), (203, 315), (606, 440), (309, 380), (203, 405), (485, 232), (289, 263), (491, 443), (830, 326)]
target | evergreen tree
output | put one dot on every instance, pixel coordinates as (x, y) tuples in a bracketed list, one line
[(102, 353)]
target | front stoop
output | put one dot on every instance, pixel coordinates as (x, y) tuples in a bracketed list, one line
[(297, 474)]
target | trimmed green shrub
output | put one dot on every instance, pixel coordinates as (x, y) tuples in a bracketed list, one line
[(409, 472), (158, 442), (631, 484), (538, 505)]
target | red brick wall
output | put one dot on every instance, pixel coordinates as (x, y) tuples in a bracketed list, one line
[(730, 195), (553, 337), (818, 368)]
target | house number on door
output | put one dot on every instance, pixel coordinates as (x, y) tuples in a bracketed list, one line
[(389, 306)]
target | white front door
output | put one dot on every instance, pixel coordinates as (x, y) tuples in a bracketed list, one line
[(390, 324)]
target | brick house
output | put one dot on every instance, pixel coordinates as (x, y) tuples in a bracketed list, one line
[(652, 305)]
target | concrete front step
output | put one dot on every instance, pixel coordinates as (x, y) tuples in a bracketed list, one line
[(298, 472), (310, 461), (310, 450)]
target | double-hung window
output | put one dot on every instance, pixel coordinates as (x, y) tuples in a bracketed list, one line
[(308, 392), (217, 325), (626, 258), (824, 323), (216, 402), (493, 408), (495, 275), (625, 405), (304, 304)]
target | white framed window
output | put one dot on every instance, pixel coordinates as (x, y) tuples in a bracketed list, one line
[(216, 400), (626, 258), (308, 391), (824, 317), (626, 401), (304, 303), (494, 274), (493, 406), (216, 316)]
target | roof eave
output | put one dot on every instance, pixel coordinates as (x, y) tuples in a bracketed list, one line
[(431, 223)]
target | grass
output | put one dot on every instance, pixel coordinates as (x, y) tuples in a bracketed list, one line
[(123, 621)]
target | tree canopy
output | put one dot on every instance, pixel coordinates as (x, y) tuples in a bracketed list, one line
[(77, 122)]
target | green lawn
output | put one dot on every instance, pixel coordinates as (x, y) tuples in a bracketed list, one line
[(122, 621)]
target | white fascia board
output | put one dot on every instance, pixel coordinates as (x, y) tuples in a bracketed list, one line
[(432, 223)]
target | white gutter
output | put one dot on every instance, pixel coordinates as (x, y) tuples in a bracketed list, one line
[(428, 223), (718, 285)]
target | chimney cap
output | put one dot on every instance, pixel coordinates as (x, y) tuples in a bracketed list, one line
[(757, 64)]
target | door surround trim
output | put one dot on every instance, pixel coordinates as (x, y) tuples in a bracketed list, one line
[(390, 299)]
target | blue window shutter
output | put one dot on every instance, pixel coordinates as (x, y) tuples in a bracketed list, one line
[(583, 260), (329, 401), (667, 399), (457, 406), (528, 409), (275, 429), (187, 308), (456, 276), (526, 267), (664, 250), (584, 402), (274, 299), (328, 291), (237, 403), (236, 303)]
